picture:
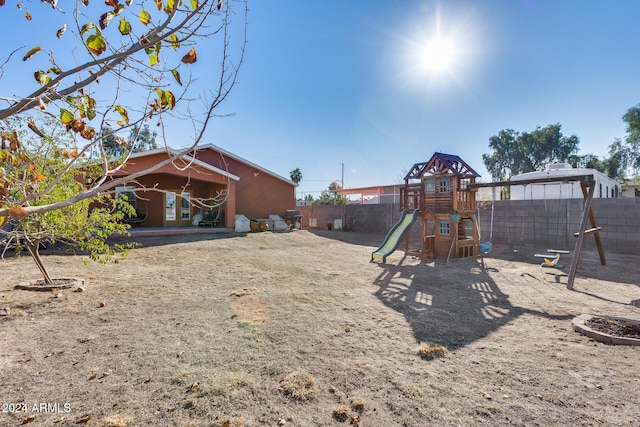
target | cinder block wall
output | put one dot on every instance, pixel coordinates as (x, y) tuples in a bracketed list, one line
[(364, 218), (534, 223), (551, 223)]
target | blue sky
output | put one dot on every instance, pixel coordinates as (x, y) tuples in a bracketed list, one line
[(337, 81), (341, 82)]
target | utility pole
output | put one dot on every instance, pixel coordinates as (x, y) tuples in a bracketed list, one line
[(335, 192), (342, 216)]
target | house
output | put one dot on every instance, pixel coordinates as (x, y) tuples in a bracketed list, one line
[(377, 195), (630, 188), (605, 186), (439, 189), (206, 174)]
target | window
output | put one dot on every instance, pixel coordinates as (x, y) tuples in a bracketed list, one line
[(170, 206), (185, 206), (126, 193), (444, 186), (444, 228), (430, 186)]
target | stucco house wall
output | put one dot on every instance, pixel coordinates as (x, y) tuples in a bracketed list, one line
[(259, 192), (253, 190)]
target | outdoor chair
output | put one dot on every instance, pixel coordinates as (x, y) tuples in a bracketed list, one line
[(210, 217)]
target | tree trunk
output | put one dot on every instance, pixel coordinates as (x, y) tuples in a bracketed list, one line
[(33, 248)]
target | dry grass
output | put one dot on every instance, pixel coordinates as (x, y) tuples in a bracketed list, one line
[(358, 404), (430, 351), (299, 329), (299, 386), (341, 413), (117, 421)]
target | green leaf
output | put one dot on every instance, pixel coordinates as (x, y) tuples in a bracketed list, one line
[(170, 98), (154, 53), (31, 53), (55, 70), (173, 39), (176, 75), (124, 27), (42, 77), (87, 107), (96, 44), (167, 99), (123, 113), (91, 114), (66, 116), (89, 101), (170, 6), (145, 17)]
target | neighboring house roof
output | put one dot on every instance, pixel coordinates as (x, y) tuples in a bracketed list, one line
[(245, 161), (564, 169), (187, 159), (442, 163), (374, 189)]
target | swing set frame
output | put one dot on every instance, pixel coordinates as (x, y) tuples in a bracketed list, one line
[(587, 185)]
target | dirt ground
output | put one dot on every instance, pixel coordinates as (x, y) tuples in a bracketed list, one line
[(299, 329)]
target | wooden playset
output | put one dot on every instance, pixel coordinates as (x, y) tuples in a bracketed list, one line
[(439, 189), (442, 194)]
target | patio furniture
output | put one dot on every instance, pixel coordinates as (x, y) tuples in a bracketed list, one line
[(293, 218), (210, 218)]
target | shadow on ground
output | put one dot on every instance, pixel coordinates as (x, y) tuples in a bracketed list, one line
[(363, 239), (621, 268), (448, 304)]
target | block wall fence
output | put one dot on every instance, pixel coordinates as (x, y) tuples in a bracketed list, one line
[(535, 223)]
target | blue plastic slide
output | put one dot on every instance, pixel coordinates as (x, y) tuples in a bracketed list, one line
[(395, 236)]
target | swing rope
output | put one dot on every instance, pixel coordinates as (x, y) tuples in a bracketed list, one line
[(486, 247)]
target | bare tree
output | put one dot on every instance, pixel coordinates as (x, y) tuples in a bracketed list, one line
[(122, 66), (116, 54)]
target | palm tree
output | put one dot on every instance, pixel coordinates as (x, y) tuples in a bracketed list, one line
[(296, 175)]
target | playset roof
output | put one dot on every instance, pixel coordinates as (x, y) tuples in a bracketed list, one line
[(441, 163)]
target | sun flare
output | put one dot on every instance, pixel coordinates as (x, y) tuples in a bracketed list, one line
[(438, 55)]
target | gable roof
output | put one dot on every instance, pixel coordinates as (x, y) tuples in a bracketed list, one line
[(441, 163), (237, 158), (186, 158)]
